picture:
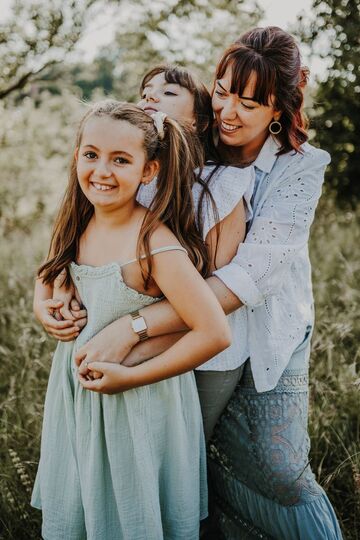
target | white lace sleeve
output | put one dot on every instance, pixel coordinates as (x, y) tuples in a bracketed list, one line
[(228, 186), (280, 229)]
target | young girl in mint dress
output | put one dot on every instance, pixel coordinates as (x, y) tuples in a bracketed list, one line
[(129, 466)]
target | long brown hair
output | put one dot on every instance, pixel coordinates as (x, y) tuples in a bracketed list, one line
[(203, 112), (178, 154), (273, 55), (204, 116)]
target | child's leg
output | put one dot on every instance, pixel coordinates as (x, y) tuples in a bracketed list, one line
[(215, 389)]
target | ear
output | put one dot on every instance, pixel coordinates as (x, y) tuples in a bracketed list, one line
[(76, 154), (151, 169), (277, 115)]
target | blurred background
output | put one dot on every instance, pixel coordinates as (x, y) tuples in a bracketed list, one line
[(56, 53)]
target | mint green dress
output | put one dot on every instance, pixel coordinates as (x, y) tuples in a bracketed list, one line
[(129, 466)]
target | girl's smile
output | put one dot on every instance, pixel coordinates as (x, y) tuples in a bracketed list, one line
[(111, 163)]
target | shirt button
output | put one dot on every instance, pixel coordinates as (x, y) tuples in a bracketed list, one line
[(77, 278)]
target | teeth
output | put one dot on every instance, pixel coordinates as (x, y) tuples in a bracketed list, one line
[(229, 127), (101, 187)]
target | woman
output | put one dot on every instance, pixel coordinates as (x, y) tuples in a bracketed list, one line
[(259, 456)]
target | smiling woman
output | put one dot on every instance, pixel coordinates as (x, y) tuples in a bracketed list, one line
[(241, 118)]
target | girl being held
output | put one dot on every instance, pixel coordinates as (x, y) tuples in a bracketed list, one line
[(221, 196), (130, 465)]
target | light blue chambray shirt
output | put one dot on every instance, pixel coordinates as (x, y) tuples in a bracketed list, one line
[(271, 271)]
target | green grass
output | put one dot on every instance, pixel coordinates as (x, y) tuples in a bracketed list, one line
[(335, 398)]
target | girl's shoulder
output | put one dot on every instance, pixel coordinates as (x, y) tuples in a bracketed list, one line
[(163, 237)]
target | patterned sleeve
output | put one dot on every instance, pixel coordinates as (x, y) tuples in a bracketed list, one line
[(280, 229), (228, 186)]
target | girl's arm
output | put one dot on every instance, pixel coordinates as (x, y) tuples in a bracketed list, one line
[(117, 340), (222, 250), (197, 307)]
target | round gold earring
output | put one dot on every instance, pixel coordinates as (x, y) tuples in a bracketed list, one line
[(275, 127)]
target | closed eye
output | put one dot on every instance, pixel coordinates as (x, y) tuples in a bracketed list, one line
[(168, 93), (249, 107)]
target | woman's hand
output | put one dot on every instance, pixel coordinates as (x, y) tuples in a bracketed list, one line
[(112, 378), (112, 344)]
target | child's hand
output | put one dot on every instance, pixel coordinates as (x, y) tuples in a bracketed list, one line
[(78, 312), (71, 308), (64, 330), (113, 378), (112, 344)]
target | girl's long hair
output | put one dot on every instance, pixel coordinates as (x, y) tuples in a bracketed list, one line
[(179, 153), (203, 113), (204, 119)]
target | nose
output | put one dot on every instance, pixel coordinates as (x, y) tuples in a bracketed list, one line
[(151, 95), (102, 169), (229, 109)]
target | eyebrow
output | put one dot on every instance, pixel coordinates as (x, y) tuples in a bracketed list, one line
[(242, 97), (149, 84), (114, 152)]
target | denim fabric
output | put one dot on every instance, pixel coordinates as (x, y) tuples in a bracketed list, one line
[(215, 388), (259, 464)]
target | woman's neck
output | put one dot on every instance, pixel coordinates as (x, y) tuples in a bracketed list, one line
[(241, 156)]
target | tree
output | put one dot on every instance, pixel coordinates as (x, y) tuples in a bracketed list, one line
[(38, 34), (337, 100), (186, 32)]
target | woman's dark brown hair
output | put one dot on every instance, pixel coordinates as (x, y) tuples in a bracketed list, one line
[(273, 55), (178, 155)]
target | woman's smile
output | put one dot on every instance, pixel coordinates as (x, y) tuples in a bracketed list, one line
[(229, 128)]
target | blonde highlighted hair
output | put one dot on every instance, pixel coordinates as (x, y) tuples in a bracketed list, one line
[(178, 153)]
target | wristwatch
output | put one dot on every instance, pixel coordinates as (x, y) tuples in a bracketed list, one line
[(139, 326)]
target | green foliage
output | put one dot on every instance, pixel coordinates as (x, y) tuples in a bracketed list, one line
[(25, 359), (335, 366), (336, 115), (38, 34), (186, 32), (36, 142)]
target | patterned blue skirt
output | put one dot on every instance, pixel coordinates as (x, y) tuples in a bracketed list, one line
[(261, 478)]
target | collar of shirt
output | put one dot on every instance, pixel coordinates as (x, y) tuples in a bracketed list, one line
[(267, 156)]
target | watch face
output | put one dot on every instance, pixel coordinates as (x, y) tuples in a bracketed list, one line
[(139, 324)]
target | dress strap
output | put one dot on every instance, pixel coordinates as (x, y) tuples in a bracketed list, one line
[(155, 252)]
